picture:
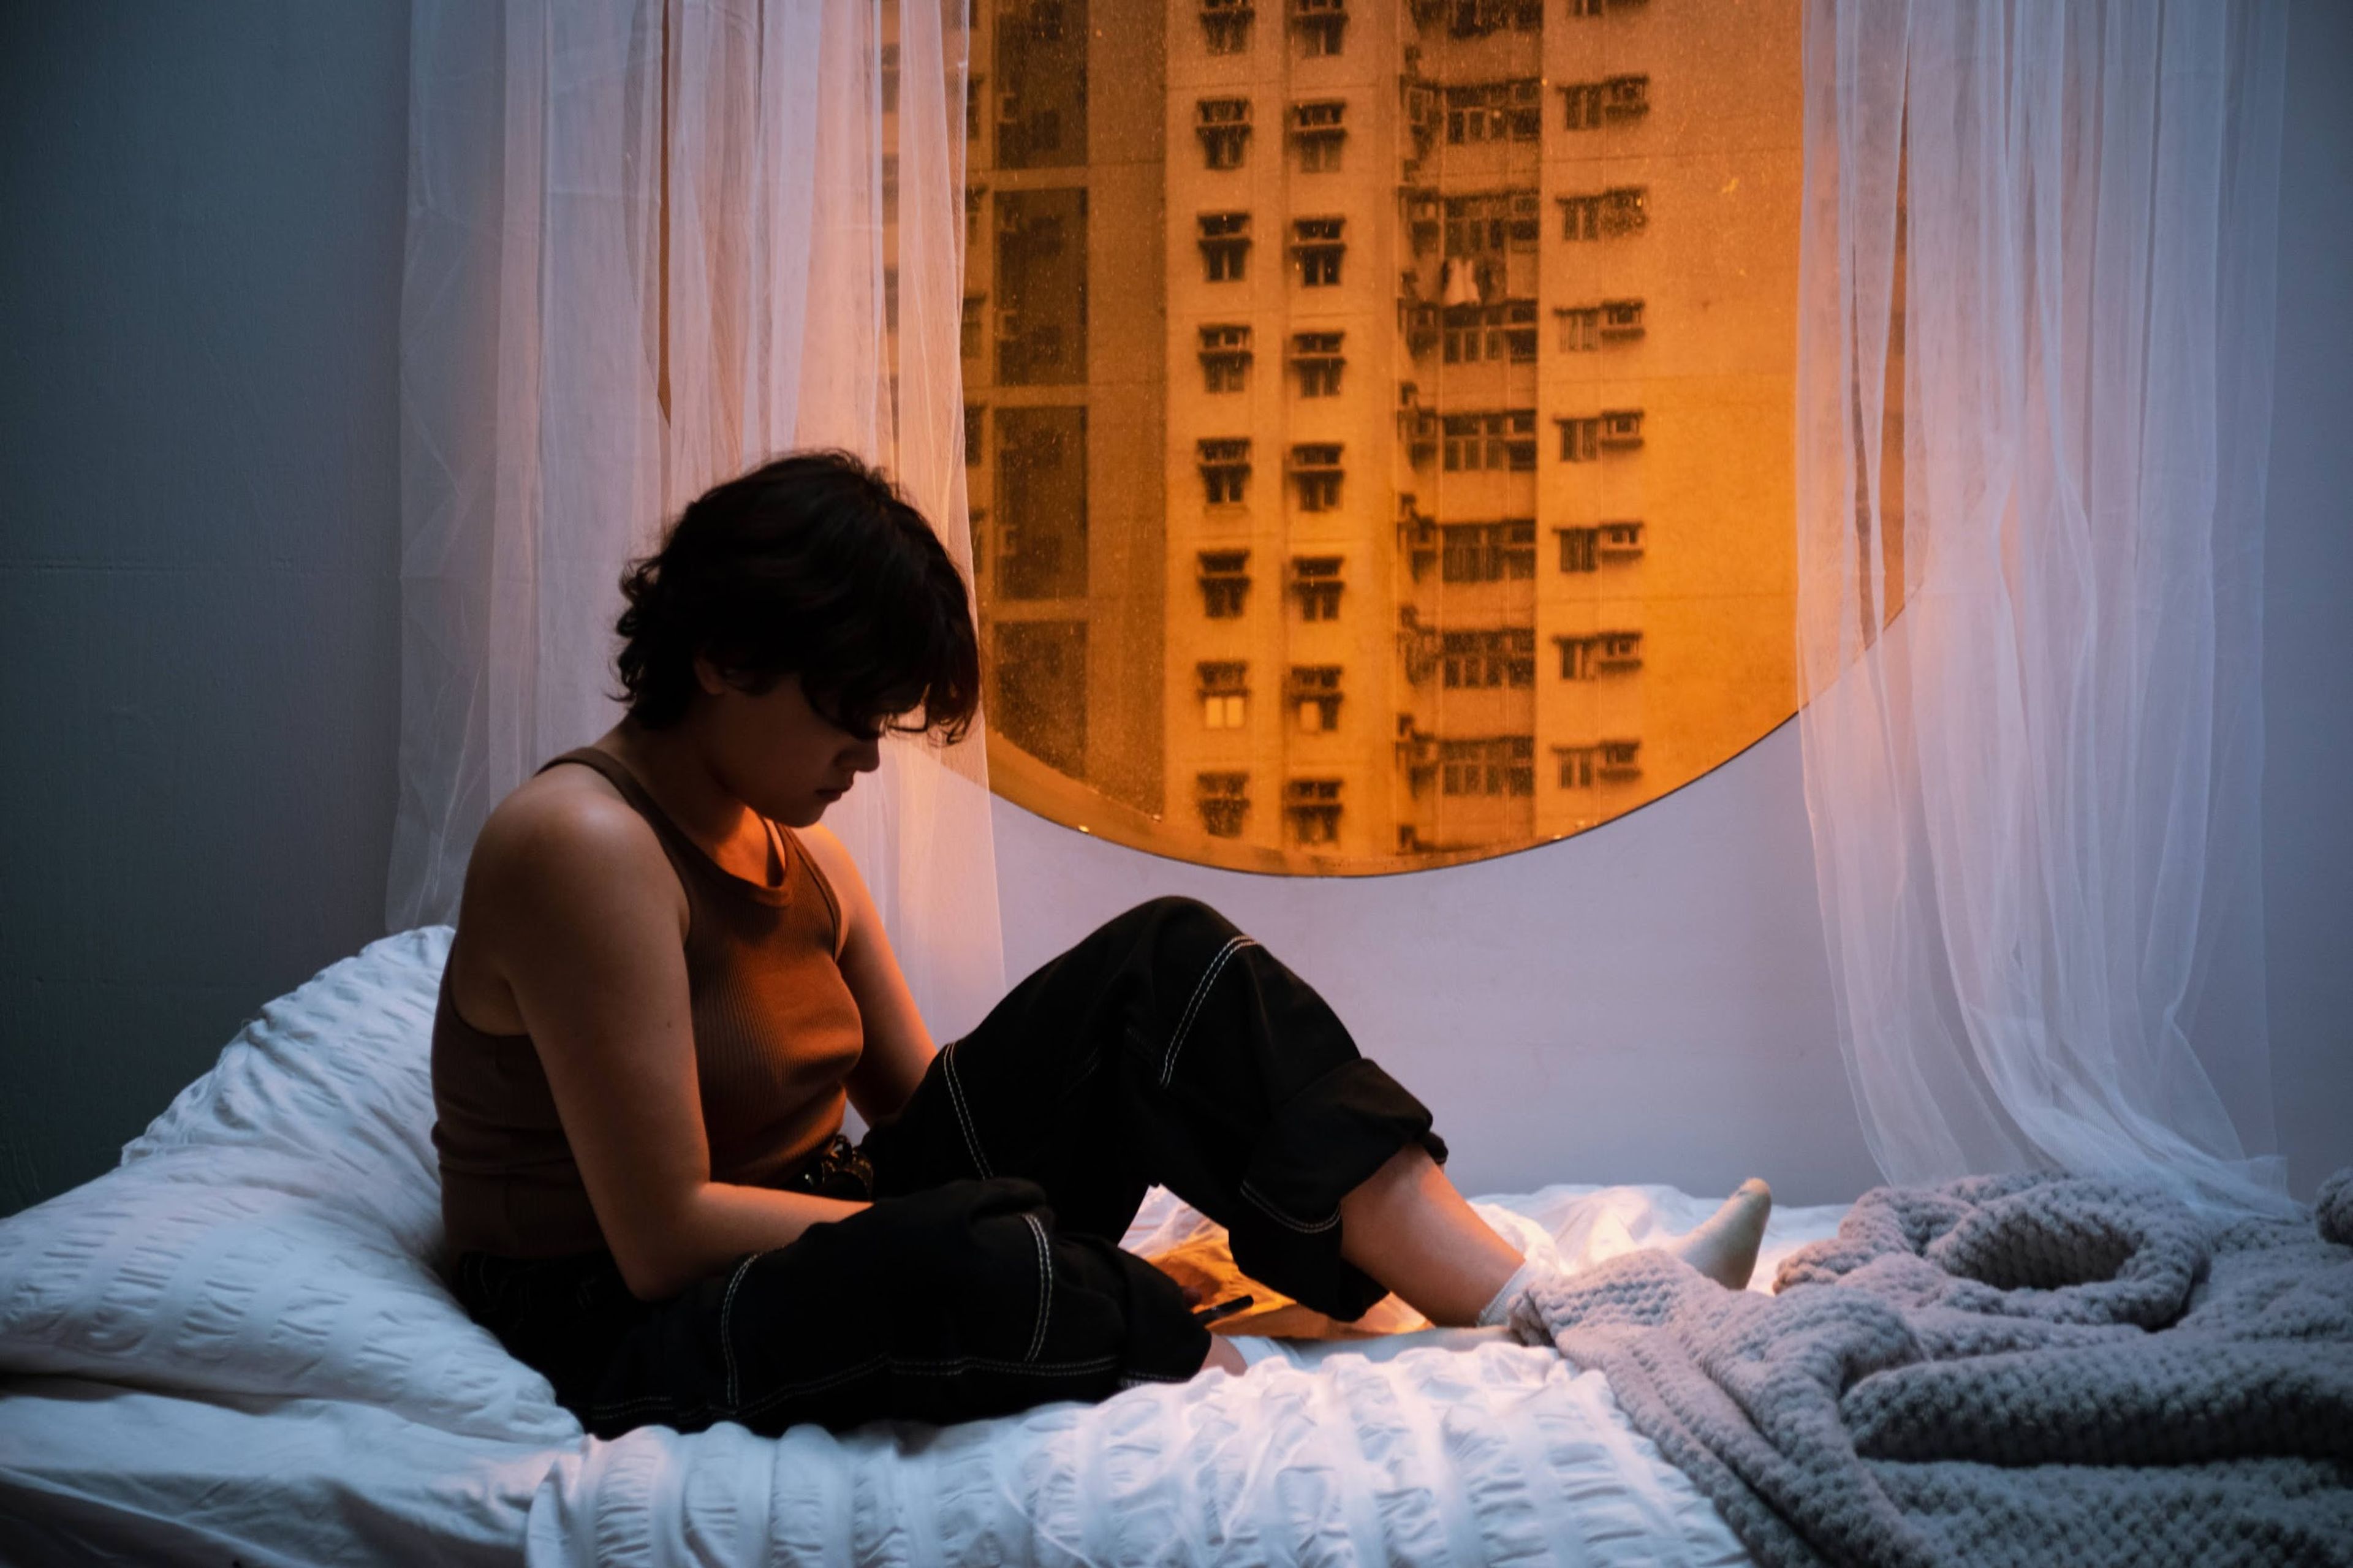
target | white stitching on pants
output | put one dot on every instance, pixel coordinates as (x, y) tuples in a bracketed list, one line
[(1193, 1007), (1283, 1219), (726, 1332), (963, 1116), (1045, 1286)]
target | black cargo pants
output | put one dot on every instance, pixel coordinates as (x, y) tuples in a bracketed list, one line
[(1165, 1046)]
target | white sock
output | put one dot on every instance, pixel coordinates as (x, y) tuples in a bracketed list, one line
[(1725, 1246), (1498, 1312)]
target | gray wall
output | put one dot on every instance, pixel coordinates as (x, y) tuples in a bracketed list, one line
[(200, 213), (2309, 609), (200, 238)]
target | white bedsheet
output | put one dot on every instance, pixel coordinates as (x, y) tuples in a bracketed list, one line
[(233, 1347)]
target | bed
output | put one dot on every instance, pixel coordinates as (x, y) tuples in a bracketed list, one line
[(235, 1348)]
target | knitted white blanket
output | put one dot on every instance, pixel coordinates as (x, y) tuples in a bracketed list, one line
[(2027, 1370)]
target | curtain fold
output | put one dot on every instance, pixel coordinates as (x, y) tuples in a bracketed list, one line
[(2035, 327), (651, 244)]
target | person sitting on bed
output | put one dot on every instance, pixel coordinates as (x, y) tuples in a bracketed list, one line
[(668, 978)]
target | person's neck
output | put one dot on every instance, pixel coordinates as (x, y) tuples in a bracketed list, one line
[(671, 767)]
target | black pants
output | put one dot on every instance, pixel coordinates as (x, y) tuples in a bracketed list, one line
[(1166, 1047)]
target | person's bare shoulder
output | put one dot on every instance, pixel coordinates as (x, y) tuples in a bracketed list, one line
[(564, 844)]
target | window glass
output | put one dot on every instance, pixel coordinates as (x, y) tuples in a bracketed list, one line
[(1382, 446)]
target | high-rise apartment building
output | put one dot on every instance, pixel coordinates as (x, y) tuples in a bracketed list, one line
[(1429, 368)]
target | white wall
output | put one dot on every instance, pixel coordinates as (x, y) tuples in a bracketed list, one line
[(1646, 1002)]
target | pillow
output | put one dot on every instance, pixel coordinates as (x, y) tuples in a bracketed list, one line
[(273, 1234)]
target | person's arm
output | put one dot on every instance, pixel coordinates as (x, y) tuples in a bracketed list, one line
[(590, 920), (898, 1046)]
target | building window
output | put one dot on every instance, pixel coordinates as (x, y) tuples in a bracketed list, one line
[(1040, 300), (1608, 760), (1577, 550), (1225, 583), (1620, 538), (1494, 111), (1618, 652), (1317, 356), (1313, 693), (1038, 671), (1040, 463), (1500, 765), (971, 325), (1224, 26), (1318, 129), (1224, 800), (1582, 439), (1315, 466), (1589, 105), (1225, 469), (1315, 580), (1476, 442), (1225, 246), (1225, 357), (1584, 328), (1488, 551), (1491, 222), (1603, 653), (1477, 18), (975, 198), (1474, 661), (1320, 24), (1424, 210), (1503, 329), (1313, 808), (1316, 242), (1627, 97), (1224, 126), (1225, 692), (974, 414), (1606, 214)]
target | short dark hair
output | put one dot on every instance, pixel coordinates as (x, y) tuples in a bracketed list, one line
[(814, 566)]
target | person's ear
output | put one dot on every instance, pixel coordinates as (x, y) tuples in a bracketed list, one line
[(707, 676)]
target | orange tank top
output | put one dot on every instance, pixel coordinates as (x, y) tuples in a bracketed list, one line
[(775, 1034)]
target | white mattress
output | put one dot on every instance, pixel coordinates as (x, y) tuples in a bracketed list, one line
[(234, 1346)]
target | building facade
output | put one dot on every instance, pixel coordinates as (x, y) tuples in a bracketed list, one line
[(1429, 366)]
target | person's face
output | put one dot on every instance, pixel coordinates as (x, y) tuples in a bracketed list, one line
[(776, 752)]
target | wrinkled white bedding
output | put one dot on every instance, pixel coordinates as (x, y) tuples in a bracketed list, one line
[(233, 1347)]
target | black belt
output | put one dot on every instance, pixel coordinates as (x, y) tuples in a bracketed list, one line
[(835, 1170)]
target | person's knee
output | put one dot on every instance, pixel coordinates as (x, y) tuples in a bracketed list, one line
[(1184, 919)]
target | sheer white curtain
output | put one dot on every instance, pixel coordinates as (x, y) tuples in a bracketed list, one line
[(2034, 383), (651, 243)]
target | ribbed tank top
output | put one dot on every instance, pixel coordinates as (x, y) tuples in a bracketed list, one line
[(775, 1033)]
